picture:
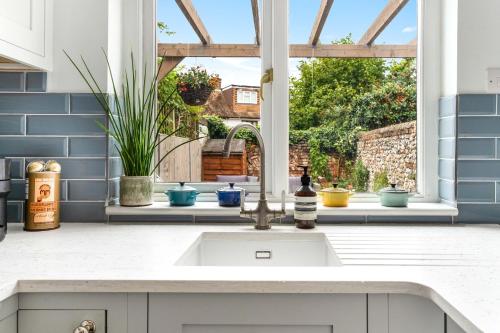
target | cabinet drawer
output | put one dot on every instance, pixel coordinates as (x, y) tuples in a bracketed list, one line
[(59, 321), (257, 313)]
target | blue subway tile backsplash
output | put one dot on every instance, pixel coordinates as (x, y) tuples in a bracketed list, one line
[(61, 126), (476, 191), (87, 190), (11, 81), (36, 81), (469, 148), (87, 146), (447, 127), (479, 126), (12, 124), (477, 104), (446, 148), (65, 125), (28, 146), (478, 170), (85, 104), (34, 103), (447, 106)]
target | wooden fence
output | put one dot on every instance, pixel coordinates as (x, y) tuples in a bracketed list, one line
[(184, 163)]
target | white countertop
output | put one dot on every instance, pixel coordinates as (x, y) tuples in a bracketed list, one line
[(458, 267)]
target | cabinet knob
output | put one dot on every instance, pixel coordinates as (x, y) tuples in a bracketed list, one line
[(86, 326)]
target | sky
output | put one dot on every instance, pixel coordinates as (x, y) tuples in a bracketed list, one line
[(231, 21)]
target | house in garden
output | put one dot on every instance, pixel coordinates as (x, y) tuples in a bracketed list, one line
[(235, 104)]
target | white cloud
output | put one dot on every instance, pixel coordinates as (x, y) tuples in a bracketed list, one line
[(409, 29)]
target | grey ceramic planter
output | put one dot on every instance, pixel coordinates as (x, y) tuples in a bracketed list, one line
[(136, 191)]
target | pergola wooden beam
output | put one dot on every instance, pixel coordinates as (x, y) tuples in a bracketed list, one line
[(256, 20), (319, 23), (167, 65), (383, 19), (296, 51), (191, 15)]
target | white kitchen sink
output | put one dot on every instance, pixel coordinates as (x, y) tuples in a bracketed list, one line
[(260, 249)]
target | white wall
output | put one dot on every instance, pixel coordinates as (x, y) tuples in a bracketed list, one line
[(478, 43), (449, 61)]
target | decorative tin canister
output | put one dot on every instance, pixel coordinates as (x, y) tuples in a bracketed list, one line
[(42, 204)]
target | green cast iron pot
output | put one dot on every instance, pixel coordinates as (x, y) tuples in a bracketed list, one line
[(394, 197)]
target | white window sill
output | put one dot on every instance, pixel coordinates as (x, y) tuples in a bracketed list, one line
[(210, 208)]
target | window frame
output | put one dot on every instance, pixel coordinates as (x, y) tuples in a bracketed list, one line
[(274, 125)]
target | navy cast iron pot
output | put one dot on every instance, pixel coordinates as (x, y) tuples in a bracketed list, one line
[(229, 196)]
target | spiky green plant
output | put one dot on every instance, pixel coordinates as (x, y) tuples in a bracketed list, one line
[(134, 123)]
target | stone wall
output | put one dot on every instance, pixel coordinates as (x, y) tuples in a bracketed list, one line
[(393, 149), (298, 155)]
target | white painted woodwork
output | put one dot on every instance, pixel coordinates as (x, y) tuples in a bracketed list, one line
[(414, 314), (257, 329), (378, 313), (452, 326), (59, 321), (117, 306), (26, 33), (265, 313), (9, 324)]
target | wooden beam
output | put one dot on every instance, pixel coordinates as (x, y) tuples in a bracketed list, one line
[(296, 51), (324, 10), (383, 19), (167, 65), (191, 15), (256, 20)]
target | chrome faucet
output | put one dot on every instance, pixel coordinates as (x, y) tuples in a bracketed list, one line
[(262, 215)]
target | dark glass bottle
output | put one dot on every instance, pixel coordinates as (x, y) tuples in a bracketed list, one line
[(305, 213)]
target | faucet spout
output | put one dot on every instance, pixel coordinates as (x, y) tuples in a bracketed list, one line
[(262, 215)]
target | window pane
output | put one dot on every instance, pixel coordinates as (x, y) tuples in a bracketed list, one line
[(352, 118), (224, 87)]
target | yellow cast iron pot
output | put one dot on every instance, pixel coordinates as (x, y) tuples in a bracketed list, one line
[(335, 196)]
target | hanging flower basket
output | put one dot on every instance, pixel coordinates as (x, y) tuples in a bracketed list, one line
[(194, 96), (195, 85)]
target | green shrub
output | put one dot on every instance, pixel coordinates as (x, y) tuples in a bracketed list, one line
[(216, 127), (360, 177), (380, 180)]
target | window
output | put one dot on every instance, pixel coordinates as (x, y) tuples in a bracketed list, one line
[(246, 97), (320, 48)]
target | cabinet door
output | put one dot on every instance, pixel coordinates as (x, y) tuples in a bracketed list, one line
[(257, 313), (59, 321), (9, 324), (26, 34), (414, 314)]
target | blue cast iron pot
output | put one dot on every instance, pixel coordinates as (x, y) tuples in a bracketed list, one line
[(229, 196), (182, 195)]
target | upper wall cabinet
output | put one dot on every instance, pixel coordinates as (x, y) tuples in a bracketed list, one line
[(26, 34)]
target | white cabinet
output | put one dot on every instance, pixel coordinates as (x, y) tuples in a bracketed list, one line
[(26, 33), (396, 313), (63, 312), (257, 313), (8, 315), (59, 321)]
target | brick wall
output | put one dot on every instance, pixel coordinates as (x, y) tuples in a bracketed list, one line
[(393, 149), (36, 125)]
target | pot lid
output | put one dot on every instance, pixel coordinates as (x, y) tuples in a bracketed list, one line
[(334, 189), (393, 189), (182, 188), (230, 188)]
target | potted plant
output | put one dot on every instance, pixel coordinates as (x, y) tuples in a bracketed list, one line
[(135, 127), (195, 85)]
